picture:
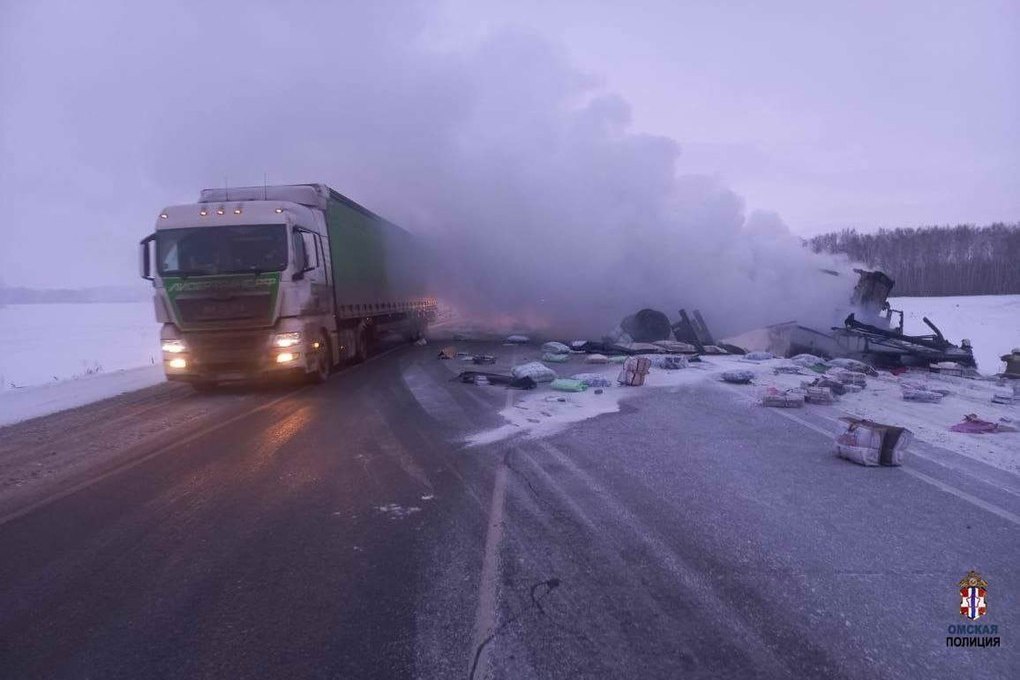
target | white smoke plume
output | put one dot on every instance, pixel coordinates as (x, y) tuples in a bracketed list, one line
[(541, 203)]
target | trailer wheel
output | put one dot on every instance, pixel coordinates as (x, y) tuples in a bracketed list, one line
[(322, 362)]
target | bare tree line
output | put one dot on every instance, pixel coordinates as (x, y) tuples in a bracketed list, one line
[(961, 260)]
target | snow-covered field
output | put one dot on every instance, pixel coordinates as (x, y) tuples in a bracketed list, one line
[(59, 356), (42, 344), (990, 322)]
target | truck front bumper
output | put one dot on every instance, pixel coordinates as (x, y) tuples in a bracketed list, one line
[(221, 356)]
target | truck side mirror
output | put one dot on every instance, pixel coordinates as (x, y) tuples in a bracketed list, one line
[(145, 265), (304, 261)]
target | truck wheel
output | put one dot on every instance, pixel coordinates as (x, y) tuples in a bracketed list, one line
[(322, 363)]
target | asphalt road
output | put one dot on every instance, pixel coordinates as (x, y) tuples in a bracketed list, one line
[(345, 531)]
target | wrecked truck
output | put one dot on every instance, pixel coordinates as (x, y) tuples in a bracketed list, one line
[(873, 333)]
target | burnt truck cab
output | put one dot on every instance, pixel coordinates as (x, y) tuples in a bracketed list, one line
[(242, 288)]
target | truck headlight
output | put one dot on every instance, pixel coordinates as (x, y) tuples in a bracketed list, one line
[(286, 339), (285, 357), (178, 363), (174, 346)]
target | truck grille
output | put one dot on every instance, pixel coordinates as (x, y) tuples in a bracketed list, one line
[(235, 308), (229, 351)]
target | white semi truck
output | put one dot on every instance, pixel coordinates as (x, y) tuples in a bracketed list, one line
[(270, 281)]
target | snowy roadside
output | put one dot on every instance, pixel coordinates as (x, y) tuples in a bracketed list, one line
[(543, 412), (31, 402)]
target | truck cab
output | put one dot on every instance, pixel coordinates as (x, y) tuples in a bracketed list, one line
[(242, 288)]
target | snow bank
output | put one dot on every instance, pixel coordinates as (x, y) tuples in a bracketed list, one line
[(31, 402)]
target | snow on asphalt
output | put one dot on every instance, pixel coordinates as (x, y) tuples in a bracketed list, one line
[(543, 412)]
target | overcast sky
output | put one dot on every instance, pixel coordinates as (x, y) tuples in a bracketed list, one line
[(830, 114)]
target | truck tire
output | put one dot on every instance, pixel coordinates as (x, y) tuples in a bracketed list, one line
[(323, 363)]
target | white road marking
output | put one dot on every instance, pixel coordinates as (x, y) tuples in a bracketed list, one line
[(688, 576), (962, 495), (485, 615)]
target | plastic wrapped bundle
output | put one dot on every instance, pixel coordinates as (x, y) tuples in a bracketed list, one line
[(568, 385), (848, 377), (787, 399), (518, 339), (868, 443), (807, 360), (759, 356), (669, 362), (738, 377), (535, 370), (818, 395), (555, 348), (853, 365), (920, 394), (556, 358), (596, 359), (634, 371), (593, 379)]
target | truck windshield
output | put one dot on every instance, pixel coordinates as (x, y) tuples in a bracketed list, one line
[(221, 250)]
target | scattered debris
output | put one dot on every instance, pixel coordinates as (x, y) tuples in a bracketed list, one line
[(972, 424), (555, 348), (852, 365), (396, 511), (1005, 397), (921, 394), (1012, 364), (819, 395), (592, 379), (866, 442), (675, 346), (648, 325), (421, 342), (834, 386), (482, 359), (518, 339), (694, 332), (788, 369), (481, 380), (738, 377), (556, 358), (759, 356), (947, 368), (634, 371), (847, 377), (447, 353), (668, 362), (568, 385), (535, 370), (782, 398), (808, 360), (519, 383), (596, 359)]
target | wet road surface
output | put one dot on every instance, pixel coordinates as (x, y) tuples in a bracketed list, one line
[(345, 531)]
